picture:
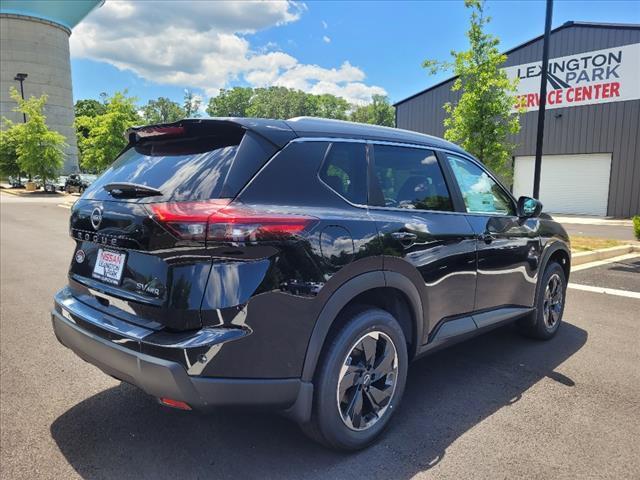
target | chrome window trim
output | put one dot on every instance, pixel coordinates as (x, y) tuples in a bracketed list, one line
[(328, 139), (461, 154)]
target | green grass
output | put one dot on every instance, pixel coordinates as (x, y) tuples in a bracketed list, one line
[(587, 244)]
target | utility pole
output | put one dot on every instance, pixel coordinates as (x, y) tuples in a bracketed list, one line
[(20, 77), (543, 99)]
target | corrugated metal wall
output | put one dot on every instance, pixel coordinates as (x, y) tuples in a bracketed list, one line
[(605, 128)]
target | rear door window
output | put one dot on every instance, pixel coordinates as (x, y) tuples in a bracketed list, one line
[(411, 178), (344, 170)]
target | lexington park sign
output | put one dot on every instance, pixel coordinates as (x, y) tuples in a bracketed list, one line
[(600, 76)]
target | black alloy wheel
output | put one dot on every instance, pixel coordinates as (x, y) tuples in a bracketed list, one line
[(544, 322), (553, 301), (367, 380), (360, 380)]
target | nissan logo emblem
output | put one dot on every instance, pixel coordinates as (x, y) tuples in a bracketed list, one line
[(96, 218)]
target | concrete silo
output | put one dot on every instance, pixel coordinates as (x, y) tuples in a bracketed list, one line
[(34, 40)]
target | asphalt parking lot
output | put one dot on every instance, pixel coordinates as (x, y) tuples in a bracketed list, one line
[(498, 406), (622, 275)]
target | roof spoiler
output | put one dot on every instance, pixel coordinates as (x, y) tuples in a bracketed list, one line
[(275, 131)]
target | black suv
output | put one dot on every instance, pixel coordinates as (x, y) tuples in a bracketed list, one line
[(299, 265)]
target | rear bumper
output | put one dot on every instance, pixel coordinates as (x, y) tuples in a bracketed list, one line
[(120, 356)]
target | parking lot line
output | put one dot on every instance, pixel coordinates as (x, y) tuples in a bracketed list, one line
[(599, 263), (608, 291)]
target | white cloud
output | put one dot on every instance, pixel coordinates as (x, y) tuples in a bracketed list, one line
[(205, 45), (326, 39), (356, 92), (325, 25)]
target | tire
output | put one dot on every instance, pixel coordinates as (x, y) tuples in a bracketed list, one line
[(334, 419), (545, 320)]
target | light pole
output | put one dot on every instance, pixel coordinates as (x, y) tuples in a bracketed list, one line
[(20, 77), (543, 100)]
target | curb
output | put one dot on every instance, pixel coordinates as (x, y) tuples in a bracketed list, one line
[(11, 192), (618, 222), (38, 194), (595, 255)]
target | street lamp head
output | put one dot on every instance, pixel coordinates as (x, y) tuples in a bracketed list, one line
[(20, 76)]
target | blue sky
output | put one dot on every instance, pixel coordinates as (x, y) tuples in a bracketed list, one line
[(349, 48)]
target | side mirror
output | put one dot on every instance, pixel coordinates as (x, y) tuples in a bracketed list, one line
[(529, 207)]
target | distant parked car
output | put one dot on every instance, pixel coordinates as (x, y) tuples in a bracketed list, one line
[(56, 185), (74, 184), (15, 182), (78, 182), (60, 182), (41, 184), (51, 185), (88, 178)]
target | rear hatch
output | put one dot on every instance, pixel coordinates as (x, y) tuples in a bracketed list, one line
[(132, 259)]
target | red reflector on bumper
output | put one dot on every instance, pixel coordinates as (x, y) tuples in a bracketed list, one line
[(174, 403)]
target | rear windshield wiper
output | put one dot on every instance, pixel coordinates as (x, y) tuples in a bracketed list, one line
[(131, 190)]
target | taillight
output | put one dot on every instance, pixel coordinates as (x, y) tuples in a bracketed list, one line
[(218, 221), (187, 220)]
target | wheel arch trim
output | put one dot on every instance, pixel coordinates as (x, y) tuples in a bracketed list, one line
[(342, 296), (547, 253)]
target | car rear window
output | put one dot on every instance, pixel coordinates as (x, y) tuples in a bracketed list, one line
[(185, 169)]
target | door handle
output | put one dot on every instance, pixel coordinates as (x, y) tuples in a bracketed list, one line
[(486, 237), (405, 238)]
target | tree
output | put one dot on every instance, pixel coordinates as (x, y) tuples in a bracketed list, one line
[(481, 121), (191, 104), (89, 108), (8, 150), (330, 106), (378, 112), (162, 110), (40, 151), (230, 103), (85, 110), (104, 138), (280, 103)]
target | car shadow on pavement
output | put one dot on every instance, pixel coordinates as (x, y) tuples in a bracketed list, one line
[(122, 433)]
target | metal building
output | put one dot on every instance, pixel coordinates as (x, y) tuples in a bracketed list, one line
[(591, 156), (34, 40)]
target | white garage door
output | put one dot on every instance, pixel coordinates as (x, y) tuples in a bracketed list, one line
[(577, 184)]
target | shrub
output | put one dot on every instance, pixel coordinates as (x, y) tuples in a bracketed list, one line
[(636, 226)]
